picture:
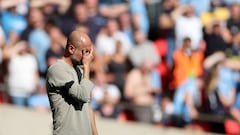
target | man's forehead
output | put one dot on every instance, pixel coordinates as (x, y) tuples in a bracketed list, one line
[(83, 39), (85, 45)]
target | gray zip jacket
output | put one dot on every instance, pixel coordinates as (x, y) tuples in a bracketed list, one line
[(69, 97)]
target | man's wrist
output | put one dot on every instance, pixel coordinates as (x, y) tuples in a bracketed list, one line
[(86, 67), (86, 72)]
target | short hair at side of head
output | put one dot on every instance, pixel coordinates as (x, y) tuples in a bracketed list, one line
[(68, 43)]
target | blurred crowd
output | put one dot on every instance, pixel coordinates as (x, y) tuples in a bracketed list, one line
[(156, 61)]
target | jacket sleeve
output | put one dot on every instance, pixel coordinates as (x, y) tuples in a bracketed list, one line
[(81, 91), (63, 81)]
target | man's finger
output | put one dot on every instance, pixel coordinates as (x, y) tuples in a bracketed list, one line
[(83, 51), (90, 51)]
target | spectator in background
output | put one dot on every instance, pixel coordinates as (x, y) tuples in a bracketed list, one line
[(229, 90), (7, 46), (187, 63), (105, 96), (11, 20), (39, 99), (167, 109), (2, 57), (38, 38), (5, 4), (154, 8), (200, 6), (117, 67), (8, 50), (31, 21), (234, 50), (96, 21), (166, 26), (217, 3), (53, 10), (139, 15), (23, 74), (58, 41), (217, 38), (233, 23), (187, 25), (226, 86), (222, 83), (125, 24), (80, 17), (62, 6), (112, 8), (141, 50), (218, 13), (233, 53), (106, 42), (142, 87), (187, 74), (2, 43), (165, 39), (230, 2)]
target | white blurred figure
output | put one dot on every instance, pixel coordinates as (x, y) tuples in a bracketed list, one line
[(23, 74), (106, 41), (105, 96), (188, 25)]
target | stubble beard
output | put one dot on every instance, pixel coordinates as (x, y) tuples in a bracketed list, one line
[(76, 62)]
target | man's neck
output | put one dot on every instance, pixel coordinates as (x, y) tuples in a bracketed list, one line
[(67, 60)]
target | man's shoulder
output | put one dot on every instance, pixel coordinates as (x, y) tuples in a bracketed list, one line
[(59, 65)]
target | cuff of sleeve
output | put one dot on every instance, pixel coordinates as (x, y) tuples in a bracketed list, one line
[(87, 83)]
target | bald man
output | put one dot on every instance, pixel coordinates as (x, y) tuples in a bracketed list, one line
[(69, 88)]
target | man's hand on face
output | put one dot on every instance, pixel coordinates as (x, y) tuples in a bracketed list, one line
[(87, 57)]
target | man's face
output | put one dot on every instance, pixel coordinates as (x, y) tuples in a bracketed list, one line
[(112, 27), (78, 54), (80, 13), (35, 15), (187, 44), (235, 10), (139, 37)]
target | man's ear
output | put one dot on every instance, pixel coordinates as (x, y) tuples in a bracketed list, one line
[(71, 49)]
